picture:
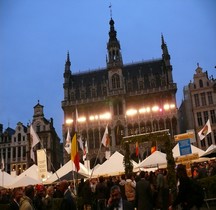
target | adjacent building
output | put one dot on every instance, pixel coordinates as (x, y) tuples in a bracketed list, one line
[(130, 98), (15, 144), (199, 106)]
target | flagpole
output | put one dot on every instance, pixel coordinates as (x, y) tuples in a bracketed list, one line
[(47, 157), (96, 160)]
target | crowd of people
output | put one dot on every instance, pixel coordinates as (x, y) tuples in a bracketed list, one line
[(143, 191)]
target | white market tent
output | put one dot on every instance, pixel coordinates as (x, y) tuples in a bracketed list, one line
[(154, 160), (31, 172), (24, 181), (211, 147), (176, 152), (65, 169), (113, 166), (5, 179)]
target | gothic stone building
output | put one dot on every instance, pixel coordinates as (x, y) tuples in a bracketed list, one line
[(198, 106), (15, 144), (132, 99)]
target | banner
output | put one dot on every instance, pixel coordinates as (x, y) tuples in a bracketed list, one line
[(42, 164)]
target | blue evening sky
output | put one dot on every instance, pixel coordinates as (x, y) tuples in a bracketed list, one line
[(36, 35)]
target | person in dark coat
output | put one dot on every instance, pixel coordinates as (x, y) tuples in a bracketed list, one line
[(116, 202), (144, 199), (68, 203), (38, 198), (184, 196), (101, 193), (17, 193)]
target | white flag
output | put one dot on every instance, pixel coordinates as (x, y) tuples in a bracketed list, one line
[(106, 140), (76, 120), (86, 147), (205, 130), (85, 151), (68, 142), (34, 139), (80, 143)]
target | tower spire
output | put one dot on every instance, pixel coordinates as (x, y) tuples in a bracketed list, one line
[(67, 63), (164, 48), (166, 60), (113, 47), (110, 7)]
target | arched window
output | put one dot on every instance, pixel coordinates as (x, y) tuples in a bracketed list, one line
[(115, 81), (155, 125), (200, 83), (161, 124), (148, 127), (142, 127)]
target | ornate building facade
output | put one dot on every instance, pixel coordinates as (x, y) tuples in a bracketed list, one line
[(198, 106), (49, 139), (15, 144), (13, 147), (131, 98)]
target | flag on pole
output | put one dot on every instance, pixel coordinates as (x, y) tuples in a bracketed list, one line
[(85, 151), (34, 139), (75, 153), (153, 147), (205, 130), (137, 149), (79, 139), (2, 163), (68, 142), (106, 140), (76, 120)]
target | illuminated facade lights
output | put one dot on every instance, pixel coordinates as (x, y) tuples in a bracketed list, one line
[(131, 112), (156, 108)]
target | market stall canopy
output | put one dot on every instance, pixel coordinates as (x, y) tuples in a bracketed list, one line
[(154, 160), (176, 152), (24, 181), (67, 168), (5, 179), (113, 166), (210, 154), (31, 172), (211, 147)]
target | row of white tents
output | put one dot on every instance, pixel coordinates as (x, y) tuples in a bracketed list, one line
[(113, 166)]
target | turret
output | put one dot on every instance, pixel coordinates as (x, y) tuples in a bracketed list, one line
[(114, 58), (166, 59)]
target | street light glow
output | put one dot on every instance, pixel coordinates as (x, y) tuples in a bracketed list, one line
[(166, 106), (148, 109), (142, 110), (81, 119), (155, 108), (172, 106), (69, 121), (105, 116), (131, 112)]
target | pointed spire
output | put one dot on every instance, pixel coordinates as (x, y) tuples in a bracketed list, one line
[(162, 40), (164, 48), (67, 63), (113, 47)]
